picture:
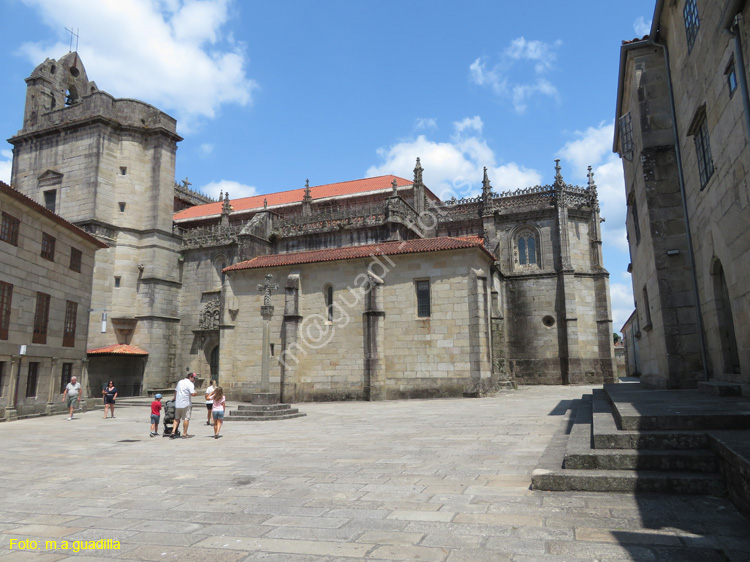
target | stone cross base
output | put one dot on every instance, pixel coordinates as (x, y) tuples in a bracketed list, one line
[(263, 398)]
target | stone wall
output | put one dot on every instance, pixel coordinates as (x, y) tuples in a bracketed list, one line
[(30, 273), (445, 355)]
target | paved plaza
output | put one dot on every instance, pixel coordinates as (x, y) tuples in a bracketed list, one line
[(429, 480)]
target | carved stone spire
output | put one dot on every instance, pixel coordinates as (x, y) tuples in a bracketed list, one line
[(558, 174), (226, 208), (593, 195), (307, 200), (486, 194), (418, 197), (394, 185), (418, 173)]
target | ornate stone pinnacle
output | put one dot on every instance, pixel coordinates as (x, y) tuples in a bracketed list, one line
[(591, 177), (418, 172), (307, 197), (395, 187), (265, 203), (558, 175), (226, 208)]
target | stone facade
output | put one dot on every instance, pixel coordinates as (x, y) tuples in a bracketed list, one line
[(37, 358), (522, 298), (682, 132)]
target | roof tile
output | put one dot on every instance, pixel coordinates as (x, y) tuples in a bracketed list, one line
[(293, 196), (354, 252), (117, 349)]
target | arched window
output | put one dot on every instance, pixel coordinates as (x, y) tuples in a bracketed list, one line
[(329, 302), (526, 246)]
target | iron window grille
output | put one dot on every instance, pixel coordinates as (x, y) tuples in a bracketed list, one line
[(48, 247), (423, 299), (692, 23), (9, 229)]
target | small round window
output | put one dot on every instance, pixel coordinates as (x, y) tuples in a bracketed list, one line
[(548, 321)]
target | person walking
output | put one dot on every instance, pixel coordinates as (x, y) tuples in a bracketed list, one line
[(183, 405), (155, 415), (209, 401), (219, 404), (72, 396), (110, 393)]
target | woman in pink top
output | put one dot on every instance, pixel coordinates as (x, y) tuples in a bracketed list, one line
[(217, 411)]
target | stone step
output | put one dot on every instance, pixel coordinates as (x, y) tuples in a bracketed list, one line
[(264, 418), (718, 388), (637, 408), (606, 434), (627, 481), (263, 407), (264, 413), (580, 452), (550, 475)]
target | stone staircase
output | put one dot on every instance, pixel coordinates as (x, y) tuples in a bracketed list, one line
[(625, 438), (263, 412)]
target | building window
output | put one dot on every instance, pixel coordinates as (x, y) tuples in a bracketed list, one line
[(699, 130), (48, 247), (329, 302), (41, 318), (32, 379), (731, 74), (122, 206), (692, 22), (2, 377), (69, 331), (9, 229), (50, 200), (526, 245), (67, 373), (6, 295), (626, 136), (75, 259), (423, 299), (117, 282), (123, 170)]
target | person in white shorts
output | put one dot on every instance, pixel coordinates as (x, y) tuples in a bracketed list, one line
[(183, 404)]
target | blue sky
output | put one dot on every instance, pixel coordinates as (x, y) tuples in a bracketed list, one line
[(269, 94)]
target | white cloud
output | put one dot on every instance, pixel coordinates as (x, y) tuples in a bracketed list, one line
[(621, 297), (507, 81), (173, 54), (6, 162), (206, 149), (425, 123), (543, 54), (641, 26), (453, 168), (235, 189)]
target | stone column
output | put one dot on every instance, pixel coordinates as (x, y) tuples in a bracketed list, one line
[(11, 412), (289, 335), (265, 396), (480, 360), (375, 375), (51, 394)]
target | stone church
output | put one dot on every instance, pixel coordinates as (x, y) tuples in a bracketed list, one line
[(378, 288)]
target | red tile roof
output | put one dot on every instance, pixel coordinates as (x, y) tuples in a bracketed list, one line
[(354, 252), (636, 40), (117, 349), (255, 202)]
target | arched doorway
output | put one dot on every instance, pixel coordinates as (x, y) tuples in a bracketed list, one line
[(729, 357), (214, 364)]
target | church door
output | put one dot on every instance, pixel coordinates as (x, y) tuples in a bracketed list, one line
[(214, 364)]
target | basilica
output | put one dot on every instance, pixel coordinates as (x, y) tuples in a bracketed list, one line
[(367, 289)]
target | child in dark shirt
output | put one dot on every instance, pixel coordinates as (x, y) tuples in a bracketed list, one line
[(155, 415)]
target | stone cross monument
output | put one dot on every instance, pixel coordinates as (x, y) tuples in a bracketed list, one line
[(266, 311)]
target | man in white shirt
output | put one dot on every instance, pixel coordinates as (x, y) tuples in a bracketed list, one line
[(183, 405), (72, 396)]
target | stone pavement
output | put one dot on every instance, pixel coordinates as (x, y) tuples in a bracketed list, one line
[(431, 480)]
